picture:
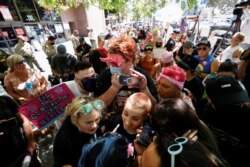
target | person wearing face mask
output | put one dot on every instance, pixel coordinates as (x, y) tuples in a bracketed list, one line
[(85, 80), (49, 48), (121, 59), (245, 26)]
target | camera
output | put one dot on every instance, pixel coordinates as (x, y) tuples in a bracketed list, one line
[(238, 11), (147, 134), (129, 81)]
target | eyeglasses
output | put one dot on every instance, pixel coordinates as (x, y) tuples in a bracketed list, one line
[(87, 108), (204, 48), (177, 148), (21, 62)]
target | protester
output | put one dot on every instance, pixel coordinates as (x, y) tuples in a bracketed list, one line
[(170, 83), (120, 59), (233, 51), (208, 64), (172, 117), (148, 61), (136, 110), (171, 43), (80, 127), (21, 82), (84, 82), (193, 84)]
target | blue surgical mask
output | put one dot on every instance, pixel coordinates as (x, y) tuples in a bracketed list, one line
[(115, 70)]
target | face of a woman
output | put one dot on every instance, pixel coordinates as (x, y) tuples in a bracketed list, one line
[(125, 65), (167, 89), (89, 123), (132, 120)]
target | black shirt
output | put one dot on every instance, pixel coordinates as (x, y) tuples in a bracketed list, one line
[(68, 144), (170, 45)]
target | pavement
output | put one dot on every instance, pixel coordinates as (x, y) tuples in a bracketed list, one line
[(45, 143)]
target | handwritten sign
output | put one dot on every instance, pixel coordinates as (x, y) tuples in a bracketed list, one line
[(43, 110)]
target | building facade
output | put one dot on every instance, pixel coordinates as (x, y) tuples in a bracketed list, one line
[(27, 18)]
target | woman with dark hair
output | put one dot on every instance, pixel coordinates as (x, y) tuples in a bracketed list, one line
[(109, 151), (173, 117)]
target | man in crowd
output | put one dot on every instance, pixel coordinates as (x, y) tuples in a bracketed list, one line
[(24, 49), (49, 48)]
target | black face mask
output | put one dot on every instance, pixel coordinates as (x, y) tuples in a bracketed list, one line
[(89, 83), (52, 43)]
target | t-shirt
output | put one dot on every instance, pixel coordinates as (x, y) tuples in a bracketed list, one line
[(205, 65)]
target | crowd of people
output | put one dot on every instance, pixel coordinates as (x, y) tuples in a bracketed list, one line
[(185, 107)]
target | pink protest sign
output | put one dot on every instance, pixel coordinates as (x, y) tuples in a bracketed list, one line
[(43, 110)]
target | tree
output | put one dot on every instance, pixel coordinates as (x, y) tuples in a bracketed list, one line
[(139, 8)]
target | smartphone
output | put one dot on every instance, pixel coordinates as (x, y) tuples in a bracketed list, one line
[(146, 136), (127, 80)]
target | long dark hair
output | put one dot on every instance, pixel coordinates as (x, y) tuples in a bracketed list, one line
[(174, 116)]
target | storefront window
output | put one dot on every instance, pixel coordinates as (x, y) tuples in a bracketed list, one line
[(8, 11), (27, 10), (8, 33)]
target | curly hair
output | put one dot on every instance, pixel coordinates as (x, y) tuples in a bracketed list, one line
[(125, 46)]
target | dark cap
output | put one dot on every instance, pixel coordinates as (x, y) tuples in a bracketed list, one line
[(81, 39), (205, 42), (225, 90), (61, 49), (176, 31), (228, 66), (188, 63), (148, 47)]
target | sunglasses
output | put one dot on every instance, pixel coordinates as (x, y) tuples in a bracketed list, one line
[(204, 48), (87, 108), (21, 62)]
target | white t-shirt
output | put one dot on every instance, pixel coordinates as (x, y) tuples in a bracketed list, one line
[(74, 89), (228, 54)]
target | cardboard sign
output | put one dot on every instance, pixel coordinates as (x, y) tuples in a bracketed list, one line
[(43, 110)]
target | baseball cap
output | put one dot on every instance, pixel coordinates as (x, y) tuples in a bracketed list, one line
[(225, 90), (204, 42), (188, 63), (228, 66)]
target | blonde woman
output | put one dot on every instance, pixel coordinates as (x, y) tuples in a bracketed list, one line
[(82, 117), (21, 82)]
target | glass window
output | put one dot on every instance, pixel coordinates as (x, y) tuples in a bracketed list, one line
[(3, 44), (27, 10), (8, 11), (8, 33)]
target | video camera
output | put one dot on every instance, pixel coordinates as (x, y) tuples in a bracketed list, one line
[(238, 11)]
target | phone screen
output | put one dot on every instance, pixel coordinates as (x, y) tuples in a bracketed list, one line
[(129, 81)]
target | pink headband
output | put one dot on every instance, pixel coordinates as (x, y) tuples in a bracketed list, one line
[(179, 84)]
